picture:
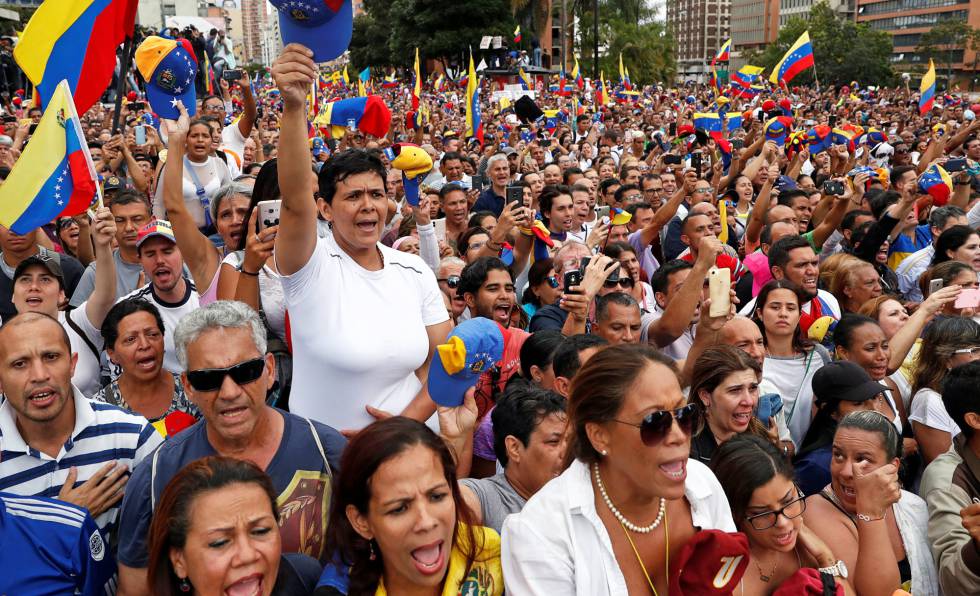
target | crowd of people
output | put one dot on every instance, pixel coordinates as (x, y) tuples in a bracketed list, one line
[(734, 360)]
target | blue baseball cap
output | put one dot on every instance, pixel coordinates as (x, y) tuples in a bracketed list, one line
[(169, 68), (472, 349), (323, 26)]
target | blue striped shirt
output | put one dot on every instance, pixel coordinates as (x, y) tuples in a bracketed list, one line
[(102, 434)]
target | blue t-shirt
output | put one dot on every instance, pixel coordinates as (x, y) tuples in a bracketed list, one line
[(301, 473), (813, 470), (489, 201), (51, 547)]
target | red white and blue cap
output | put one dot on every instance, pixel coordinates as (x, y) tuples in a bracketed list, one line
[(323, 26), (157, 227), (472, 349), (169, 68)]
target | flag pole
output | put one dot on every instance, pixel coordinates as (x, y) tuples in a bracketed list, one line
[(816, 80), (125, 61)]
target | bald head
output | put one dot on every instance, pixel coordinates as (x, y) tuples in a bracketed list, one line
[(34, 320), (743, 333)]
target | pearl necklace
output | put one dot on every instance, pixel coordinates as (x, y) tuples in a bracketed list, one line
[(622, 518)]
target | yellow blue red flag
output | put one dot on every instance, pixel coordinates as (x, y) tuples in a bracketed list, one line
[(74, 41), (54, 174), (927, 90)]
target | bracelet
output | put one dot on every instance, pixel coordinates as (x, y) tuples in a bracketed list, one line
[(243, 272), (868, 518)]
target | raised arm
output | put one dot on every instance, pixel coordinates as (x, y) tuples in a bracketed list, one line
[(678, 314), (294, 72), (199, 254), (250, 112), (104, 295), (757, 217)]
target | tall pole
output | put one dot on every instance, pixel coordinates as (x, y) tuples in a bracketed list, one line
[(595, 40), (125, 60), (564, 23)]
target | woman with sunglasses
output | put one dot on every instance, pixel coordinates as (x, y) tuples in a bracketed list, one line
[(725, 385), (947, 343), (768, 508), (640, 290), (791, 361), (543, 287), (630, 499), (877, 529)]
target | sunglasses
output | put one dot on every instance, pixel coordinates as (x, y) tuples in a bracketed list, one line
[(452, 281), (552, 281), (211, 379), (655, 426), (623, 282)]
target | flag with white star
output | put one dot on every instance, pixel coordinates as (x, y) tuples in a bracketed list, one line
[(54, 175)]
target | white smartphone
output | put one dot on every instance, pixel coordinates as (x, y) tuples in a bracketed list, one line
[(719, 286), (269, 213)]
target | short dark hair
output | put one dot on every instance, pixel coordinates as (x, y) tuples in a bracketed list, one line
[(518, 412), (452, 155), (565, 362), (959, 390), (661, 277), (851, 216), (608, 182), (569, 172), (450, 187), (632, 208), (463, 244), (476, 218), (128, 197), (602, 303), (622, 190), (939, 216), (539, 350), (882, 201), (345, 164), (121, 310), (744, 463), (787, 198), (475, 274), (780, 249), (547, 198), (899, 171)]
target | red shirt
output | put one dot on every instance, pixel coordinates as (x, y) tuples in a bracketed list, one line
[(509, 365)]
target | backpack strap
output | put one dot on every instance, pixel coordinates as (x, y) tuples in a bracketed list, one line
[(319, 446), (74, 327)]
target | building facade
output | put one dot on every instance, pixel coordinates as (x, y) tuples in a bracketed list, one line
[(699, 27), (153, 13), (754, 24), (907, 20), (801, 8)]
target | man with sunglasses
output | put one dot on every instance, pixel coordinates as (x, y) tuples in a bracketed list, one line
[(228, 372), (448, 277)]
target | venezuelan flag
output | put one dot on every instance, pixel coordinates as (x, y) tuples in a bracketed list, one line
[(474, 128), (526, 83), (927, 89), (54, 175), (75, 41), (417, 86), (368, 113), (798, 58), (937, 183), (602, 95), (724, 53), (577, 75), (708, 122), (517, 34)]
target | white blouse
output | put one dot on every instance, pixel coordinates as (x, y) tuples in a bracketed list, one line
[(558, 545)]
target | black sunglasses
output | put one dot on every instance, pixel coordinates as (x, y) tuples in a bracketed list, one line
[(655, 425), (623, 282), (452, 281), (211, 379)]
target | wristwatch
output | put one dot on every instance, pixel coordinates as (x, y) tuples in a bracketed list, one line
[(838, 569)]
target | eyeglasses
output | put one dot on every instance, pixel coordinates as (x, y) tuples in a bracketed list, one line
[(974, 351), (634, 198), (652, 190), (764, 521), (211, 379), (702, 191), (655, 426), (452, 281), (623, 282), (552, 281)]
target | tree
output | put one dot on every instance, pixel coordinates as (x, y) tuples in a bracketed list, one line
[(843, 50), (626, 26), (941, 43), (392, 29)]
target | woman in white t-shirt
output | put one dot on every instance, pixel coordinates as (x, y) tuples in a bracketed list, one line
[(948, 343), (791, 360), (203, 175), (365, 320), (630, 500)]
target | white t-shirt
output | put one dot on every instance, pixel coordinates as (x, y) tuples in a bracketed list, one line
[(358, 335), (211, 174), (792, 379), (928, 410), (171, 313), (233, 142), (270, 294), (87, 369)]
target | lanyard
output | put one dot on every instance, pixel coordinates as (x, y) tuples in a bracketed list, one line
[(199, 189)]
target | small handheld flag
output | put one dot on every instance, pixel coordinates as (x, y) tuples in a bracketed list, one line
[(927, 90), (517, 34)]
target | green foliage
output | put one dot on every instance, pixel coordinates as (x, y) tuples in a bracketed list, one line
[(624, 26), (391, 30), (941, 43), (843, 50)]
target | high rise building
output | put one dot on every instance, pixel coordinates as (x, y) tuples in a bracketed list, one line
[(153, 13), (801, 9), (907, 20), (699, 28), (755, 24), (253, 26)]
